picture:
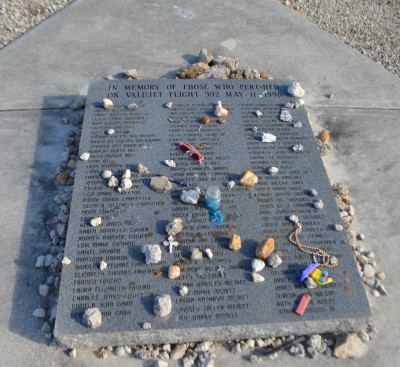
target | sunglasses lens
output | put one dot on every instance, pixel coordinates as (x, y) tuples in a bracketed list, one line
[(183, 148)]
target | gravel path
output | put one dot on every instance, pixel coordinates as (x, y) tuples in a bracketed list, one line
[(370, 26)]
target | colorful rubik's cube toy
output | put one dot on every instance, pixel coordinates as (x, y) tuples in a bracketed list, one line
[(320, 276)]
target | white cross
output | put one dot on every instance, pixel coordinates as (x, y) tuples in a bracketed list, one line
[(221, 271), (171, 243)]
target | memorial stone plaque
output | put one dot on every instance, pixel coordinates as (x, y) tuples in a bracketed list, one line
[(223, 302)]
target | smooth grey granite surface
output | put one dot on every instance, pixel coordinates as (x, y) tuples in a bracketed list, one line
[(220, 304)]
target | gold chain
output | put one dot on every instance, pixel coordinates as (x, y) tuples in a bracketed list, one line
[(326, 259)]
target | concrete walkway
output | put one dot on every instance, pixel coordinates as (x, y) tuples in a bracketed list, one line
[(45, 69)]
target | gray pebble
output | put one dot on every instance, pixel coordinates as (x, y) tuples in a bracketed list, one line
[(40, 261), (43, 290), (39, 313), (368, 270)]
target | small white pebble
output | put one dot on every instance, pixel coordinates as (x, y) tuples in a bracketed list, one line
[(255, 129), (106, 173), (313, 192), (230, 184), (273, 170), (338, 227), (110, 131), (112, 182), (361, 236), (257, 265), (209, 253), (298, 148), (298, 124), (39, 313), (375, 293), (318, 204), (268, 138), (127, 173), (146, 326), (169, 105), (183, 291), (258, 113), (72, 353), (66, 261), (170, 163), (133, 106), (95, 222), (108, 104), (84, 156), (294, 218), (103, 265), (257, 278)]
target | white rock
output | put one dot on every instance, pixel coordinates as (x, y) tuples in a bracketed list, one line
[(318, 204), (162, 305), (183, 291), (349, 346), (230, 184), (103, 265), (170, 163), (126, 183), (119, 351), (255, 129), (95, 222), (296, 90), (132, 106), (112, 182), (132, 73), (72, 353), (258, 113), (84, 156), (106, 173), (152, 253), (274, 260), (350, 210), (161, 364), (44, 290), (174, 227), (268, 138), (143, 170), (298, 124), (92, 318), (313, 193), (127, 173), (110, 131), (294, 218), (298, 148), (66, 261), (368, 270), (203, 347), (190, 196), (108, 104), (273, 171), (257, 278), (169, 105), (257, 265), (40, 261), (197, 255), (146, 326), (39, 313), (338, 227), (220, 111), (209, 253), (310, 283)]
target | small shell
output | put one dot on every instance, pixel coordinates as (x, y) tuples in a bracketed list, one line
[(133, 107), (318, 204), (257, 278), (298, 148), (174, 272), (110, 131), (103, 265), (169, 105), (95, 222), (273, 171), (258, 113), (205, 120), (257, 265), (66, 261), (84, 156), (268, 138), (294, 218), (209, 253), (108, 104), (170, 163)]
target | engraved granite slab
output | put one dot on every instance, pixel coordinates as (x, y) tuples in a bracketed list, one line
[(221, 304)]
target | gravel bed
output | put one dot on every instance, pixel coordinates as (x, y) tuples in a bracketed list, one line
[(18, 16), (370, 26)]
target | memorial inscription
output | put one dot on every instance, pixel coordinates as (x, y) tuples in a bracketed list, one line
[(223, 302)]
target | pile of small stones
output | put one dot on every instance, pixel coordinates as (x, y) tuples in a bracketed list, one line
[(352, 345)]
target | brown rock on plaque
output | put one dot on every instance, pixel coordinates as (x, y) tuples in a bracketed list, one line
[(265, 248)]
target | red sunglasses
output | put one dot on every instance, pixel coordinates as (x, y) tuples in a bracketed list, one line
[(189, 148)]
